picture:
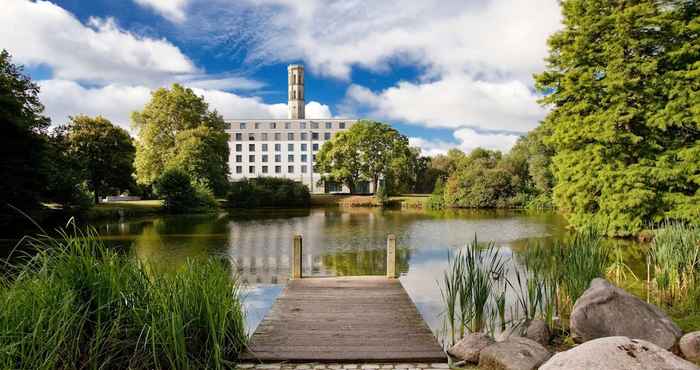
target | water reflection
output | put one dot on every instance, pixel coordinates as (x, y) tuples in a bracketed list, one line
[(335, 242)]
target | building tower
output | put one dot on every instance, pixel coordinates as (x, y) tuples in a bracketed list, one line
[(296, 91)]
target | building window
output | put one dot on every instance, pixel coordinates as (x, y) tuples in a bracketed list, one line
[(273, 125), (302, 125), (290, 136), (304, 136), (304, 147), (227, 125), (251, 158), (239, 136), (257, 125), (251, 147), (315, 147), (251, 137), (278, 136), (341, 125), (264, 157), (239, 169), (242, 125), (290, 169), (303, 169), (290, 147), (329, 125), (239, 147), (251, 169), (314, 125), (264, 147), (239, 158), (287, 125), (304, 158), (278, 147), (290, 157), (264, 136), (314, 157), (264, 169), (326, 136), (314, 136), (278, 157), (278, 169)]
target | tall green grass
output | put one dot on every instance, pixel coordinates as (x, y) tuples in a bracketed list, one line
[(75, 304), (674, 256)]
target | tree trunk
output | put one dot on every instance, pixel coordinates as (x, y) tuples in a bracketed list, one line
[(375, 181)]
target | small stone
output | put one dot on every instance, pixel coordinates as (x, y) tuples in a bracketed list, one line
[(319, 367), (350, 366), (440, 366), (370, 366), (335, 366), (423, 366), (690, 346), (403, 366), (538, 331), (303, 367), (515, 353), (469, 347), (387, 366)]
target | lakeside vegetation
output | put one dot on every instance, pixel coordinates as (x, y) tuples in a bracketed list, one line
[(480, 283), (77, 304)]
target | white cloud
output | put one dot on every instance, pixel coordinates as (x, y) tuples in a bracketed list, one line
[(43, 33), (222, 83), (454, 101), (173, 10), (467, 140), (115, 102)]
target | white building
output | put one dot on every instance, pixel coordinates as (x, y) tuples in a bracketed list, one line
[(284, 147)]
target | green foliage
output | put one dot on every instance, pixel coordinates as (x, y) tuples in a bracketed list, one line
[(623, 82), (22, 143), (675, 260), (366, 152), (268, 192), (181, 194), (104, 153), (437, 198), (77, 304), (478, 182), (382, 195), (177, 130)]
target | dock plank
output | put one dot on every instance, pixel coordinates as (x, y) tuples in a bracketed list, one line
[(344, 319)]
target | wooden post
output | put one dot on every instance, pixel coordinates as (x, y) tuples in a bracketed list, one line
[(296, 257), (391, 256)]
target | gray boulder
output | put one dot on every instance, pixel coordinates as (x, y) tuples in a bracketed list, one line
[(690, 346), (515, 353), (469, 347), (605, 310), (617, 353), (538, 331)]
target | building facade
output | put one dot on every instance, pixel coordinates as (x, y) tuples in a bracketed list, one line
[(283, 147)]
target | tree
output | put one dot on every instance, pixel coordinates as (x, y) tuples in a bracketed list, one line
[(623, 82), (165, 140), (182, 194), (367, 151), (104, 151), (480, 182), (65, 173), (23, 142)]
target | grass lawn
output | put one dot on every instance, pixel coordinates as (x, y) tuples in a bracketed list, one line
[(126, 208)]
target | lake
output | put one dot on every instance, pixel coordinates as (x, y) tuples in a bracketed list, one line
[(348, 241)]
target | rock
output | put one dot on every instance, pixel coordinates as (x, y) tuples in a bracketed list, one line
[(690, 346), (617, 353), (538, 331), (515, 353), (469, 347), (605, 310), (511, 331)]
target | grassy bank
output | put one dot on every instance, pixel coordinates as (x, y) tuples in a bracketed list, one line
[(415, 201), (76, 304), (116, 210)]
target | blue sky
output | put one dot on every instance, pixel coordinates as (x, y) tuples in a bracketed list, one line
[(445, 73)]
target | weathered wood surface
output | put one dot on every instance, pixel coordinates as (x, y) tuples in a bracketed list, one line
[(345, 319)]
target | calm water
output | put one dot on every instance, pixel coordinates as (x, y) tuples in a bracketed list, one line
[(336, 242)]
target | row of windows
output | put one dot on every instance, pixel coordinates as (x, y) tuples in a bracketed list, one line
[(288, 125), (277, 136), (278, 147), (278, 158), (267, 169)]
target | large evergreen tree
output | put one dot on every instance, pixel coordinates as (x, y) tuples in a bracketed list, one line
[(22, 141), (623, 81), (176, 129)]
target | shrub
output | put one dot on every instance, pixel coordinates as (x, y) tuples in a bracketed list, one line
[(181, 195), (268, 192), (382, 195), (77, 304), (437, 198)]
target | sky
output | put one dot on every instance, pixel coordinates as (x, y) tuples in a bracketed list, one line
[(445, 73)]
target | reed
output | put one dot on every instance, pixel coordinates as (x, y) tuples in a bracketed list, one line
[(75, 304), (674, 256)]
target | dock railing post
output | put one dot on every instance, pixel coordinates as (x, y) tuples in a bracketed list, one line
[(296, 257), (391, 256)]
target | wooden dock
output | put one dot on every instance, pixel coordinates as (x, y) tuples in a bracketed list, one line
[(344, 319)]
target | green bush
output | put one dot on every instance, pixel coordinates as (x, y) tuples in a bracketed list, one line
[(437, 198), (181, 195), (79, 305), (268, 192)]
